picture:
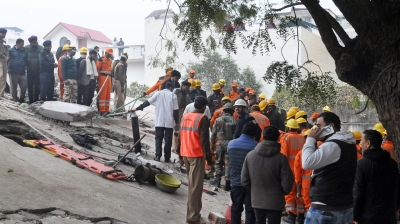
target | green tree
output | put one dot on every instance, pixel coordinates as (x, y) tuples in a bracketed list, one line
[(135, 90)]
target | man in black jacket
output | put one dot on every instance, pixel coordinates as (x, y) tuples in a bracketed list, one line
[(376, 189), (47, 65), (174, 79), (59, 51), (275, 118)]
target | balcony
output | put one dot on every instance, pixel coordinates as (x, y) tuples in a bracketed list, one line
[(136, 53)]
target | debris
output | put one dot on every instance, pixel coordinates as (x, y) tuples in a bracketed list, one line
[(216, 218), (115, 143), (66, 111), (57, 212), (107, 123), (10, 170)]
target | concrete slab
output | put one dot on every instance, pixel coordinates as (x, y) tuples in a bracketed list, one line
[(66, 111)]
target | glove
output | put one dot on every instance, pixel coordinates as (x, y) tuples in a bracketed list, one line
[(176, 127), (66, 82), (144, 94)]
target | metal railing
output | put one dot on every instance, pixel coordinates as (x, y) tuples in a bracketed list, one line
[(134, 51)]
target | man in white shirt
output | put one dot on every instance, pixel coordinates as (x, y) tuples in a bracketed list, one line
[(166, 118), (190, 108)]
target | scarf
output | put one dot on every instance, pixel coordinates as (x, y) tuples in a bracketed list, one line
[(91, 68)]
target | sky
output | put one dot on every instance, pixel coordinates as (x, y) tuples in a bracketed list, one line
[(117, 18)]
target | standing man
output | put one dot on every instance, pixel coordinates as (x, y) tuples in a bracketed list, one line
[(47, 66), (120, 83), (97, 49), (273, 115), (104, 82), (166, 113), (195, 150), (60, 49), (83, 52), (334, 164), (175, 76), (70, 76), (16, 70), (33, 69), (233, 94), (158, 84), (87, 74), (241, 95), (183, 98), (60, 76), (220, 111), (376, 190), (3, 61), (261, 97), (260, 118), (215, 100), (121, 49), (241, 110), (199, 90)]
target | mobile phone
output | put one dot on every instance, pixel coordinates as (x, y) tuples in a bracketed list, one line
[(328, 130)]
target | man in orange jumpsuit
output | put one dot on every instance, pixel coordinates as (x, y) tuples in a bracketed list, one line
[(158, 84), (59, 70), (260, 118), (387, 145), (104, 66), (291, 144), (233, 94), (219, 112), (357, 136)]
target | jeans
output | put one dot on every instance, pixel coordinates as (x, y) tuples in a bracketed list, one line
[(88, 93), (166, 134), (240, 196), (33, 86), (274, 216), (316, 216), (46, 86)]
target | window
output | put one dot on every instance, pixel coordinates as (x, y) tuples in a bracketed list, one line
[(63, 40)]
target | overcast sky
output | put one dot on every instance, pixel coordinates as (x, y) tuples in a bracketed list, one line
[(117, 18)]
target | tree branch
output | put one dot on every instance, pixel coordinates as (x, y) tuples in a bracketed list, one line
[(338, 28), (287, 6)]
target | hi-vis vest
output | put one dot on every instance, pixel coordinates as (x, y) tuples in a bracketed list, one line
[(190, 135)]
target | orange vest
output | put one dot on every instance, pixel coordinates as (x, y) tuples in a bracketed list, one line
[(190, 135), (233, 95), (388, 146), (359, 151), (291, 144), (303, 131), (218, 113), (261, 120)]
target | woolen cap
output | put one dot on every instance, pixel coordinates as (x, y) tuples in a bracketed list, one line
[(175, 73), (32, 38), (2, 30), (201, 100), (186, 83), (46, 43)]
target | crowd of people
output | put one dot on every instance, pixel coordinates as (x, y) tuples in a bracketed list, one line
[(32, 67), (274, 162)]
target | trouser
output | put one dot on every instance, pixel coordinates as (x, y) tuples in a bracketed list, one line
[(176, 138), (293, 203), (120, 51), (20, 80), (239, 196), (104, 95), (71, 91), (119, 99), (33, 86), (61, 86), (274, 216), (221, 159), (195, 175), (81, 89), (166, 134), (306, 197), (125, 88), (46, 86), (88, 92), (329, 217), (3, 78)]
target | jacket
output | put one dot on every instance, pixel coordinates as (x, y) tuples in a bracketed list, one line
[(214, 102), (104, 66), (83, 77), (237, 151), (18, 61), (3, 52), (120, 73), (224, 128), (291, 144), (68, 67), (388, 146), (33, 58), (376, 189), (158, 84), (261, 120), (190, 136), (176, 84), (78, 62), (275, 119), (267, 173), (233, 95), (178, 93), (46, 60)]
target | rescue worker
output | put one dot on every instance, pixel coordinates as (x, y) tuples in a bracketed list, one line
[(220, 111), (314, 117), (222, 84), (192, 89), (241, 110), (291, 114), (198, 88), (192, 72), (263, 105), (47, 66), (242, 95), (4, 56), (387, 145), (275, 118), (83, 52), (33, 69), (195, 150), (357, 137), (120, 83), (214, 101), (59, 71), (222, 132), (291, 144), (303, 114), (260, 118), (233, 94), (104, 80), (158, 84), (252, 100), (303, 125), (297, 109), (70, 76), (261, 97), (175, 76), (326, 109)]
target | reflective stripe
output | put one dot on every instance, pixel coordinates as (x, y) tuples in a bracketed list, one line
[(291, 157), (195, 124), (105, 72), (306, 176)]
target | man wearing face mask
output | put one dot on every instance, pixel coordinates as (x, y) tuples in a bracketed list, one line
[(334, 164), (33, 69), (3, 61), (88, 75), (174, 79), (104, 66)]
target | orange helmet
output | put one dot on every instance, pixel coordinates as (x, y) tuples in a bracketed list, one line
[(234, 84), (315, 115), (109, 50), (192, 71), (252, 92)]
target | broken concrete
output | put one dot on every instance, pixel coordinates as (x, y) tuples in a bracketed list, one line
[(66, 111)]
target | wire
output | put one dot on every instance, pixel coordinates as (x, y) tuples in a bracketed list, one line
[(165, 19)]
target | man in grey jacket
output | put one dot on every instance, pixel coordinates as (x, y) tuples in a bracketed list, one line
[(266, 172), (87, 75), (33, 69)]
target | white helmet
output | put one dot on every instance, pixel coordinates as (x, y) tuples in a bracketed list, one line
[(240, 102)]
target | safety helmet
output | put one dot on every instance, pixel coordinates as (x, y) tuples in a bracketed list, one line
[(228, 106), (192, 83), (109, 50), (83, 50), (301, 120), (326, 108), (240, 102), (192, 71), (307, 132), (378, 126), (262, 96), (252, 92), (357, 135), (226, 98), (234, 84), (297, 109), (271, 102), (65, 47), (300, 114), (292, 123), (291, 114), (384, 132), (215, 86), (222, 82), (198, 82), (263, 104), (315, 115)]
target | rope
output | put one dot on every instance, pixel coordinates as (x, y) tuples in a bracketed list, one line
[(98, 93)]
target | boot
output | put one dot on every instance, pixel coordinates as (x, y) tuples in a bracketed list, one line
[(300, 219), (216, 182), (291, 218), (227, 186)]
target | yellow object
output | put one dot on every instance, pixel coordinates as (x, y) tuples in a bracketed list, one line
[(83, 50), (262, 96), (215, 86), (301, 120), (290, 114), (357, 135), (326, 108), (226, 98), (382, 131), (198, 82), (33, 144), (263, 104), (292, 123), (271, 102), (300, 114), (307, 132), (297, 109), (385, 132), (65, 47), (378, 126), (222, 82), (192, 83), (168, 180)]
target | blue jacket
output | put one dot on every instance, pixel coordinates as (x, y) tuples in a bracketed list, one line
[(68, 66), (237, 151), (46, 61), (18, 61), (242, 120)]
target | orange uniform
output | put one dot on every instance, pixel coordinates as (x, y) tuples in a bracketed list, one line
[(303, 131), (388, 146), (104, 70), (261, 120), (303, 177), (359, 151), (217, 113), (158, 84), (233, 95), (291, 144), (59, 72)]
